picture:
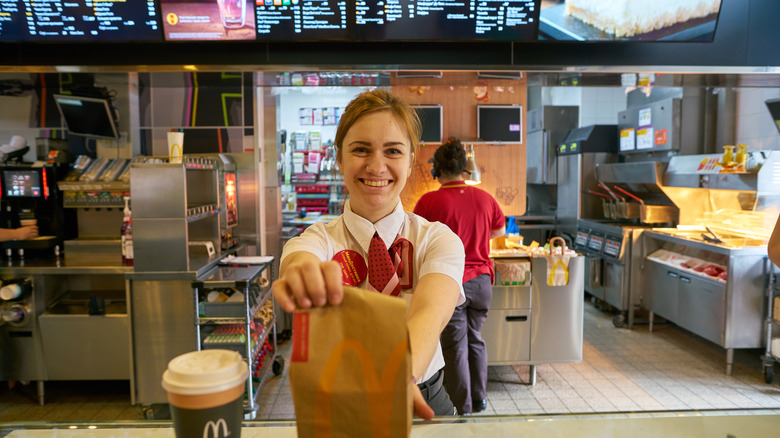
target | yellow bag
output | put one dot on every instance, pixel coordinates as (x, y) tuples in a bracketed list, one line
[(350, 368), (557, 264)]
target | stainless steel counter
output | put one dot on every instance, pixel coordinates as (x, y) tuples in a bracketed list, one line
[(729, 313), (59, 267)]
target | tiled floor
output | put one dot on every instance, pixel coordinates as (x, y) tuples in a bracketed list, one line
[(622, 371)]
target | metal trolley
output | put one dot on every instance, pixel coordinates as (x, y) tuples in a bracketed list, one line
[(245, 324), (772, 352)]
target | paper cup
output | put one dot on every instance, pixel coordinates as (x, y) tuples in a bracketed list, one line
[(205, 393), (175, 145), (28, 222)]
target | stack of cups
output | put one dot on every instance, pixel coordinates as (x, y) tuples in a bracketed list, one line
[(205, 392)]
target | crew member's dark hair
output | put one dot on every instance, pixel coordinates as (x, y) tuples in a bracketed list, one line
[(449, 158)]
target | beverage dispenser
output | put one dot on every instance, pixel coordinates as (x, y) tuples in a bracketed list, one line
[(29, 193)]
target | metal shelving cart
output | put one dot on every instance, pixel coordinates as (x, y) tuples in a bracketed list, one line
[(246, 325), (772, 352)]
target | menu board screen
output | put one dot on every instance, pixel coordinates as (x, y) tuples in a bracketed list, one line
[(302, 19), (406, 20), (79, 20), (186, 20)]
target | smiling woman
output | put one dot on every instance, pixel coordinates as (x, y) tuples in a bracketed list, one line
[(421, 262)]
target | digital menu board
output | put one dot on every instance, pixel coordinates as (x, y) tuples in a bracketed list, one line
[(187, 20), (79, 20), (302, 19), (397, 20), (436, 20)]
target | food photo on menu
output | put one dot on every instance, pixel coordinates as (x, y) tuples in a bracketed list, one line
[(199, 20), (609, 20)]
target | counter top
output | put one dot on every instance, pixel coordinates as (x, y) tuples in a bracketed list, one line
[(60, 266), (694, 240), (637, 425)]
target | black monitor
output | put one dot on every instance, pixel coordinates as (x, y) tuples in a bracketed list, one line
[(87, 116), (432, 122), (27, 183), (80, 20), (774, 110), (500, 123), (430, 20), (632, 21)]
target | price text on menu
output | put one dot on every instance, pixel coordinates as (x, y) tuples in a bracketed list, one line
[(398, 20), (79, 20)]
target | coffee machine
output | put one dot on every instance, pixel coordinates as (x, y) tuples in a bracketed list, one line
[(29, 194)]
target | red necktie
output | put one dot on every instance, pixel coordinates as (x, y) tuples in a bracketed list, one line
[(380, 266)]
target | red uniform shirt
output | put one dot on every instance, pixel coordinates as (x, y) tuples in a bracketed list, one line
[(472, 214)]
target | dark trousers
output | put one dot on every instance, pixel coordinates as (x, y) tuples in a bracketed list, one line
[(465, 355), (434, 394)]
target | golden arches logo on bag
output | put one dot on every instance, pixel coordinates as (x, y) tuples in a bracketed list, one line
[(377, 385), (551, 277)]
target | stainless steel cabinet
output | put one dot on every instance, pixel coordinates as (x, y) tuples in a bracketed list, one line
[(507, 329), (703, 301), (535, 323), (730, 314), (662, 299)]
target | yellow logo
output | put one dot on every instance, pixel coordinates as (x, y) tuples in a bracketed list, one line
[(380, 408), (172, 19)]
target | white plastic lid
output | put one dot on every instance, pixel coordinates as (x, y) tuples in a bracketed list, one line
[(204, 372), (10, 292)]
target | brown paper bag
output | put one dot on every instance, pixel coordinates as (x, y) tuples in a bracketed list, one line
[(351, 367)]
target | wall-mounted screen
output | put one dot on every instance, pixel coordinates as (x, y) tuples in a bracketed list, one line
[(434, 20), (500, 123), (79, 20), (285, 20), (432, 122), (87, 116), (22, 183), (186, 20), (639, 20), (774, 110)]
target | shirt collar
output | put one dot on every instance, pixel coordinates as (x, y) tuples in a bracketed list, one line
[(363, 230)]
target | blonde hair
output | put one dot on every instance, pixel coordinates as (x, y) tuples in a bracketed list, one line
[(380, 100)]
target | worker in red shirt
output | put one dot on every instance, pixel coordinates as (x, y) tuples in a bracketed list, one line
[(475, 216)]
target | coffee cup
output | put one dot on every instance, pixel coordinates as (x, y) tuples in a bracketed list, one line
[(28, 222), (205, 392), (175, 145)]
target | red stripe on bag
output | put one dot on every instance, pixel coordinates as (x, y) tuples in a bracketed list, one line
[(300, 337)]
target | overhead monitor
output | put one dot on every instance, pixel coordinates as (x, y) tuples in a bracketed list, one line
[(774, 110), (432, 122), (629, 20), (25, 183), (79, 20), (215, 20), (500, 123), (288, 20), (397, 20), (87, 116)]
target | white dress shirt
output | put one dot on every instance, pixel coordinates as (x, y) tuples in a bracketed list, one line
[(436, 249)]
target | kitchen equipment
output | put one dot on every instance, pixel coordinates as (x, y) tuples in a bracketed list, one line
[(593, 145), (547, 128)]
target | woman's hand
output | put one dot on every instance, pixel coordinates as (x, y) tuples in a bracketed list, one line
[(308, 282), (28, 232)]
